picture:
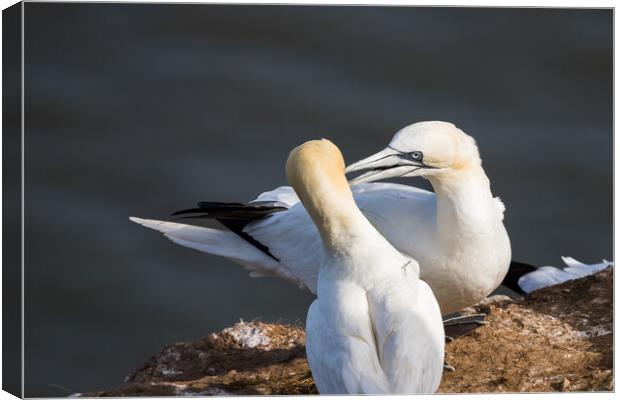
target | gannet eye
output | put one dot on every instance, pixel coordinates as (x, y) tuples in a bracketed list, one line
[(416, 155)]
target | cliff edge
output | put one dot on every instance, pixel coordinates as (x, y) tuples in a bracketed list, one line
[(556, 339)]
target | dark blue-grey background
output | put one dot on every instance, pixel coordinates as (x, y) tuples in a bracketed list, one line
[(145, 109)]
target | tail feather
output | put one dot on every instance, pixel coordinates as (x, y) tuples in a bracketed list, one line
[(220, 243)]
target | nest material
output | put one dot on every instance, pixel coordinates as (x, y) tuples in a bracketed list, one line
[(556, 339)]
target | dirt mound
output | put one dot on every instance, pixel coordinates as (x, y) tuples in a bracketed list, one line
[(556, 339), (247, 358)]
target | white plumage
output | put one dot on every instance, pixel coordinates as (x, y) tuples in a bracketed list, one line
[(549, 276), (456, 234), (375, 327)]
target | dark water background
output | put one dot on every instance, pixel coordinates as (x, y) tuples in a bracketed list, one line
[(145, 109)]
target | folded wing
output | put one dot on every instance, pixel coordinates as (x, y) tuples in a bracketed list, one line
[(410, 336), (341, 349)]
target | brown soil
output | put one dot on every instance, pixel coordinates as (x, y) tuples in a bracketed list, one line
[(556, 339)]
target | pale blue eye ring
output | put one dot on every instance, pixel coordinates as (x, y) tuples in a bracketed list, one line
[(416, 155)]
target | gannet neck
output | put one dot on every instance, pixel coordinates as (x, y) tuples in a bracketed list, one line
[(316, 171), (465, 204), (453, 181)]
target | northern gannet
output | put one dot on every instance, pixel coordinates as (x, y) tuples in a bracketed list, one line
[(527, 278), (456, 234), (375, 327)]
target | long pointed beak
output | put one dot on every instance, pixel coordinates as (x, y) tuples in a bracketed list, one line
[(382, 165), (384, 158)]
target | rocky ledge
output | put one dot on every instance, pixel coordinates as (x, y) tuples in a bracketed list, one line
[(556, 339)]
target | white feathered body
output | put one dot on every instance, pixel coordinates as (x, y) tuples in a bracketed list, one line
[(375, 327), (462, 261)]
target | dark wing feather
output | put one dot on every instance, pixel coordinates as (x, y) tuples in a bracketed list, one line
[(218, 210), (462, 325), (234, 216), (516, 271)]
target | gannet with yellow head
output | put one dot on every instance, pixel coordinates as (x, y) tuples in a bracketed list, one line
[(375, 327)]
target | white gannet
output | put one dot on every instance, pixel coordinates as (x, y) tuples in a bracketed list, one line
[(456, 234), (537, 278), (375, 327)]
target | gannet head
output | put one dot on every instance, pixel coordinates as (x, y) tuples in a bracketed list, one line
[(315, 169), (431, 148)]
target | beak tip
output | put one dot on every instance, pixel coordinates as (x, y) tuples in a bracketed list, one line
[(351, 168)]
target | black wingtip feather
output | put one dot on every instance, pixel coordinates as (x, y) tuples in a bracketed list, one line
[(234, 211), (188, 211), (234, 216), (515, 271)]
